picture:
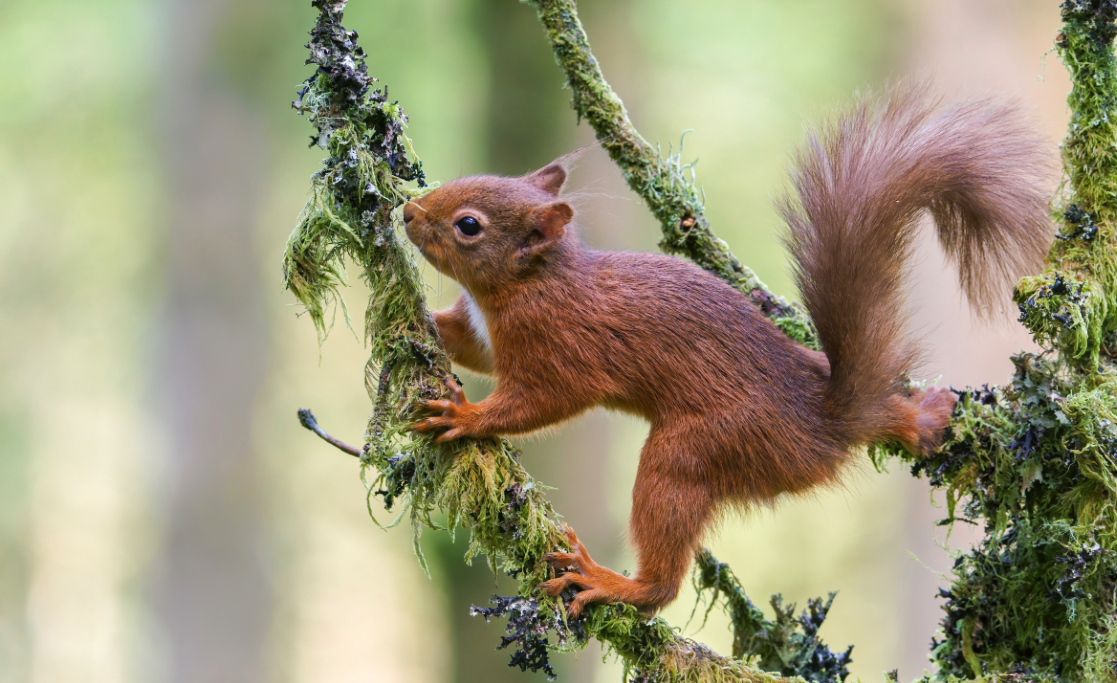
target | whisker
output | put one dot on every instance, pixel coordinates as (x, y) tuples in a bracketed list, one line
[(461, 282), (440, 289)]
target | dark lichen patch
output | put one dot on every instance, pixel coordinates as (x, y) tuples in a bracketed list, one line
[(1079, 225), (527, 629), (788, 644), (1069, 314)]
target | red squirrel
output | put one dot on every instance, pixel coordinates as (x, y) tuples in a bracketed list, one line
[(739, 413)]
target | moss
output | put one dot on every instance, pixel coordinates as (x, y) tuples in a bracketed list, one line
[(789, 645), (1072, 305), (1068, 315), (1035, 463)]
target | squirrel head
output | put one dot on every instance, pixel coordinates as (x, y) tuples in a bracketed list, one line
[(490, 232)]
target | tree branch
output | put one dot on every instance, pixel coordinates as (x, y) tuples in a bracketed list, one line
[(660, 182), (1035, 461), (307, 420), (478, 484)]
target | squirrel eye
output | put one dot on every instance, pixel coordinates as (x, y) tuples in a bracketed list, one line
[(469, 226)]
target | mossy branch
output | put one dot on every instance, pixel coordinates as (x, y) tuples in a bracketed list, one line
[(660, 182), (479, 485), (789, 644), (1072, 305), (1036, 460)]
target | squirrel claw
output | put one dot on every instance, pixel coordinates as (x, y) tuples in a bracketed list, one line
[(587, 576), (457, 394), (450, 436), (557, 585), (558, 560), (583, 598), (455, 415), (438, 406), (430, 424)]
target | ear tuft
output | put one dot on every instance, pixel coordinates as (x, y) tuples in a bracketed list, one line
[(550, 178)]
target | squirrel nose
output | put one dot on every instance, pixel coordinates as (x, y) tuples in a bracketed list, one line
[(409, 210)]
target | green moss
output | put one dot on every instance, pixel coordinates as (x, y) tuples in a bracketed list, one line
[(1063, 314), (788, 644), (1035, 463), (1072, 305)]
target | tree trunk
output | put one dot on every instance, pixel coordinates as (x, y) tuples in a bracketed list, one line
[(212, 593)]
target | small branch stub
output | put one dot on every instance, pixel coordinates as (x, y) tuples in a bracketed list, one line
[(307, 420)]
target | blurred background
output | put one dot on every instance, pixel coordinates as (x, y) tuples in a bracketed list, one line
[(164, 518)]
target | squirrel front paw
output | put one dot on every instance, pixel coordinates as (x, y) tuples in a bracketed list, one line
[(458, 417)]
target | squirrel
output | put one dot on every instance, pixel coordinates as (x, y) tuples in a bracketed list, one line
[(739, 413)]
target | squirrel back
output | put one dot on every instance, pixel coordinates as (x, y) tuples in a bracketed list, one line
[(862, 183)]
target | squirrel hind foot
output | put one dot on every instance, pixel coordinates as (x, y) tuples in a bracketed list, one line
[(936, 406), (596, 584), (919, 420)]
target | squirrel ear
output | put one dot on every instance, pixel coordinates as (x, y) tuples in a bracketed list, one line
[(550, 178), (550, 221)]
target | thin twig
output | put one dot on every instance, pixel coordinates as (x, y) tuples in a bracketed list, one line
[(307, 419)]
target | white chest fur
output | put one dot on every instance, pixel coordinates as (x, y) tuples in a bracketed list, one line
[(477, 322)]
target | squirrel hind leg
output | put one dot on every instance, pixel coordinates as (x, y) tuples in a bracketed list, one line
[(919, 420), (671, 508)]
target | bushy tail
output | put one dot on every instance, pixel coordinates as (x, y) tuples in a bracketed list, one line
[(862, 181)]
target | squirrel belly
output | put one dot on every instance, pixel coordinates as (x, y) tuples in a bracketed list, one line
[(739, 413)]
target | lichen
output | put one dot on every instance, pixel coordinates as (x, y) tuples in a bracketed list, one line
[(788, 644), (1033, 462)]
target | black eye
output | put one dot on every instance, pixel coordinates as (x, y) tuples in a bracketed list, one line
[(469, 226)]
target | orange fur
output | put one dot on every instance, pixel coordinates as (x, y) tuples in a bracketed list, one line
[(738, 412)]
